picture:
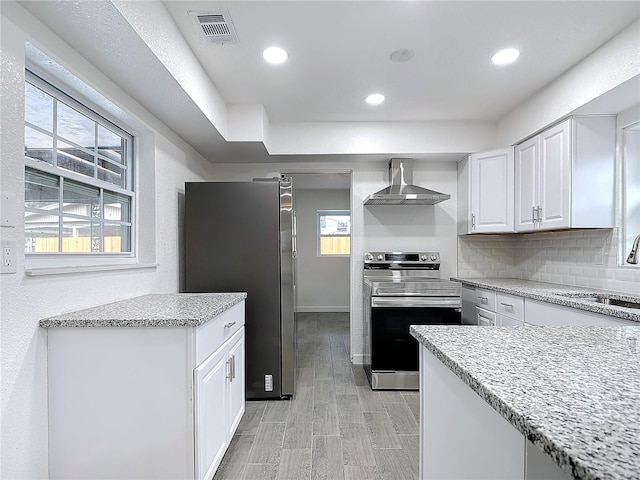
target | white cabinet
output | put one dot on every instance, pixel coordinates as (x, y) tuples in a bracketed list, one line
[(145, 402), (457, 424), (549, 314), (485, 192), (485, 308), (509, 310), (219, 403), (564, 176), (485, 318)]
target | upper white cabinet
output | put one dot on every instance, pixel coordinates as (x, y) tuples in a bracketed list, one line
[(485, 192), (564, 176)]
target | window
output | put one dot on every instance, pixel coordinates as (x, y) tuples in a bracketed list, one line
[(334, 232), (78, 176)]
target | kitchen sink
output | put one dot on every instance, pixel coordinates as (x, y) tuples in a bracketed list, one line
[(605, 299)]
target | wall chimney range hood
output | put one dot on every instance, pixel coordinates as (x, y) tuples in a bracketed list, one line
[(401, 191)]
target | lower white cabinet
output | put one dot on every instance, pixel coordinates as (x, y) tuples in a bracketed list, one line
[(549, 314), (145, 402), (219, 403), (485, 318), (463, 437)]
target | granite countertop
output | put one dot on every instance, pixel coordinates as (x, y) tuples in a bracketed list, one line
[(566, 295), (153, 310), (572, 391)]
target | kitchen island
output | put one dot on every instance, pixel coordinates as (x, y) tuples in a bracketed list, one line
[(149, 388), (534, 402)]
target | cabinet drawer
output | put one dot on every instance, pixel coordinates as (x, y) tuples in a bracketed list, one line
[(510, 305), (486, 299), (211, 335)]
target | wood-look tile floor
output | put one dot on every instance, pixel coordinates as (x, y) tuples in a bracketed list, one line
[(335, 427)]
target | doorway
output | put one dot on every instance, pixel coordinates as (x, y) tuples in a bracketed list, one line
[(323, 239)]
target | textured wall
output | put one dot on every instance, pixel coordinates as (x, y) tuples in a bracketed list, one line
[(25, 300)]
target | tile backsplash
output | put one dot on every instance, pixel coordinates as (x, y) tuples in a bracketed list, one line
[(585, 258)]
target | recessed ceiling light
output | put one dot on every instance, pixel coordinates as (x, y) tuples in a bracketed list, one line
[(505, 57), (275, 55), (375, 99)]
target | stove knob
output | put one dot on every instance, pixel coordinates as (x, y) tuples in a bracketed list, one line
[(433, 258), (423, 258), (368, 257), (380, 258)]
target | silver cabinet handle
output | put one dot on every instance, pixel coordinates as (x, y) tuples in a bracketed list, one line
[(534, 218), (473, 221), (229, 375), (539, 213), (233, 367), (507, 305), (229, 325)]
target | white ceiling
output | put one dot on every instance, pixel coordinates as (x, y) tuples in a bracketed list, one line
[(339, 52)]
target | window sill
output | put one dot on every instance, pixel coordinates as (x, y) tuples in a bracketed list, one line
[(36, 272)]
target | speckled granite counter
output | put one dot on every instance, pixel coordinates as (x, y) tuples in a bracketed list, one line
[(548, 292), (153, 310), (572, 391)]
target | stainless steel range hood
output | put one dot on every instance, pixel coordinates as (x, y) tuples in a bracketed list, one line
[(401, 191)]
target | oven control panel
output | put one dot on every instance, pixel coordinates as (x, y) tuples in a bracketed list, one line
[(402, 259)]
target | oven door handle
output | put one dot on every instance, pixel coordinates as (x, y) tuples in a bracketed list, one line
[(409, 302)]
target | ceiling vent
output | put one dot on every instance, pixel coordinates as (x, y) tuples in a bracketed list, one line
[(215, 27)]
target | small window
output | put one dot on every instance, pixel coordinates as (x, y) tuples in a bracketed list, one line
[(78, 176), (334, 232)]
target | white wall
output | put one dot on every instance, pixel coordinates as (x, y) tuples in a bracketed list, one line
[(323, 283), (381, 227), (25, 300)]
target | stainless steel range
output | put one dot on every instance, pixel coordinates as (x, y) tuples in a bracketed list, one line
[(402, 289)]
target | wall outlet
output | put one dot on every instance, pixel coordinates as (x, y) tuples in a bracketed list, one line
[(599, 257), (8, 257), (268, 383)]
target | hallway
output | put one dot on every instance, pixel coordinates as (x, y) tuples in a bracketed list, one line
[(335, 427)]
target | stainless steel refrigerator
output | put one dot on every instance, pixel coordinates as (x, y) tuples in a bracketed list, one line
[(240, 237)]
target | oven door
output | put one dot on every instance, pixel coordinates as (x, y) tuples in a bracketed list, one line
[(393, 351)]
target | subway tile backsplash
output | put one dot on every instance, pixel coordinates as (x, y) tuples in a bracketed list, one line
[(586, 258)]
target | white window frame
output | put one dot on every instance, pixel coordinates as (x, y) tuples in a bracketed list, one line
[(630, 189), (94, 113), (321, 213)]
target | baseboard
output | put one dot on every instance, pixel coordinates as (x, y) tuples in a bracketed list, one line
[(357, 359), (321, 309)]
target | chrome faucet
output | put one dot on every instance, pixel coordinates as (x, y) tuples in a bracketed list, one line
[(633, 254)]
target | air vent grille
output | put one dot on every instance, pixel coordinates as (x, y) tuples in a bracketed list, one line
[(215, 27)]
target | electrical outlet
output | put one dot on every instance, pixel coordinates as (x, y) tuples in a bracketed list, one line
[(268, 383), (599, 257), (8, 257)]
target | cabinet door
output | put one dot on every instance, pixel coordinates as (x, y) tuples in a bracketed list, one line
[(555, 177), (506, 321), (236, 382), (485, 317), (492, 191), (210, 385), (526, 198)]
